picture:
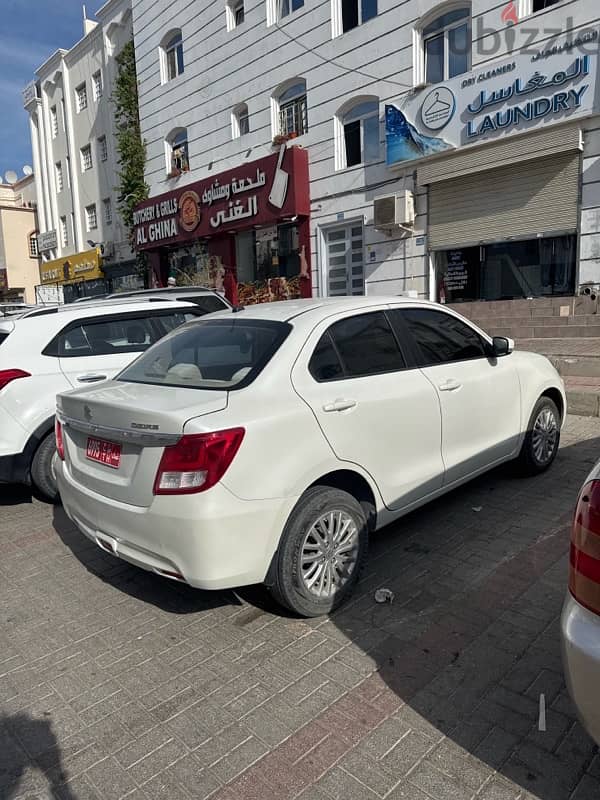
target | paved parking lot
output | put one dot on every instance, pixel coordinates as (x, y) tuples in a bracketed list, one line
[(116, 683)]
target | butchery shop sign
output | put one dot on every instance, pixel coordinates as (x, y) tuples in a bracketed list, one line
[(259, 193)]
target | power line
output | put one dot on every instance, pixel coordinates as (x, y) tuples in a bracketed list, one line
[(335, 63)]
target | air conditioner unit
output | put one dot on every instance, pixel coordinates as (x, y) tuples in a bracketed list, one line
[(107, 249), (394, 211)]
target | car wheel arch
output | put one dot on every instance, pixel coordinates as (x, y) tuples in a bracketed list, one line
[(552, 393), (355, 484), (37, 437)]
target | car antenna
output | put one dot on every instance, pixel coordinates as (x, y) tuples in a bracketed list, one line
[(235, 309)]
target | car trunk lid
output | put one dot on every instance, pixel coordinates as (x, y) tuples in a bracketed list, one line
[(115, 434)]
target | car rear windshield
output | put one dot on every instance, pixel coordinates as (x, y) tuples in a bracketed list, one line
[(215, 354)]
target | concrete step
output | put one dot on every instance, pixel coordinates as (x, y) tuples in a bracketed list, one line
[(538, 322), (583, 396), (544, 332), (536, 307)]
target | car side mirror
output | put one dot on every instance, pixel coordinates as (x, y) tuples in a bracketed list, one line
[(502, 346)]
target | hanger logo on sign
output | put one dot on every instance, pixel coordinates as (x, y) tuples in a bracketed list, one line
[(438, 108)]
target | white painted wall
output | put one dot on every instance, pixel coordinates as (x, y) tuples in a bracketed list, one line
[(57, 81), (224, 68)]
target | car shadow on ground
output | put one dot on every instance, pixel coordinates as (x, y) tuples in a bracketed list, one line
[(21, 773), (472, 637), (14, 494), (166, 594), (469, 643)]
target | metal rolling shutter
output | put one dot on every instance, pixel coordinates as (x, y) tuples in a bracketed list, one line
[(523, 199)]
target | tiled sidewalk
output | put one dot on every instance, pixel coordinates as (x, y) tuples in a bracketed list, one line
[(116, 683)]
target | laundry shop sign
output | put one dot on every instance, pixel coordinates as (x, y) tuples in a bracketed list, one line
[(508, 98)]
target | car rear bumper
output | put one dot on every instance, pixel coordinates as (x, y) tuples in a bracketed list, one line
[(580, 631), (213, 540)]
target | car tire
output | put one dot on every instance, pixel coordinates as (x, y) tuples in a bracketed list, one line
[(42, 476), (542, 439), (312, 574)]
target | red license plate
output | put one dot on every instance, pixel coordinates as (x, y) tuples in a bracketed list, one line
[(108, 453)]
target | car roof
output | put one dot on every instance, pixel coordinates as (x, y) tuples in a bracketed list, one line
[(317, 307), (102, 306), (165, 291), (80, 310)]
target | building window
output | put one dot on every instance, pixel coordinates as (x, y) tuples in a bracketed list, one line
[(177, 153), (97, 85), (286, 7), (107, 210), (68, 170), (64, 232), (357, 134), (290, 108), (86, 158), (234, 11), (446, 48), (280, 9), (54, 122), (240, 121), (81, 97), (59, 176), (33, 245), (349, 14), (172, 56), (91, 218), (102, 148), (541, 5)]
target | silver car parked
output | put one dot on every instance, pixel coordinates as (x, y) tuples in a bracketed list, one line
[(580, 622)]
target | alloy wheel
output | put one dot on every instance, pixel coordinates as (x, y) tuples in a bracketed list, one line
[(329, 553), (544, 436)]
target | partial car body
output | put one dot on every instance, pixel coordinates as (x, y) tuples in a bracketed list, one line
[(50, 350), (580, 620)]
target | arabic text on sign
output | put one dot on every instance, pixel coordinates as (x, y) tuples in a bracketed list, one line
[(235, 212)]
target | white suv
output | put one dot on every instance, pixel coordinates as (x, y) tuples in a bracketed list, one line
[(49, 350)]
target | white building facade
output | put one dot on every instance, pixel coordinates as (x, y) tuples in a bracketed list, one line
[(82, 237), (453, 147)]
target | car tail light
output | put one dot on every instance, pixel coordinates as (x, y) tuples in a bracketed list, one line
[(8, 375), (197, 461), (584, 574), (60, 445)]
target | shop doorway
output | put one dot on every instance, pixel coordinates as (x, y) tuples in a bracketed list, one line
[(344, 260), (540, 267)]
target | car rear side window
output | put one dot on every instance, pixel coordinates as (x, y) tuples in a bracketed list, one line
[(441, 338), (358, 346), (3, 336), (215, 354), (109, 335), (325, 364)]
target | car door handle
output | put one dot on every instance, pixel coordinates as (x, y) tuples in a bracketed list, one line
[(340, 405), (450, 385), (91, 378)]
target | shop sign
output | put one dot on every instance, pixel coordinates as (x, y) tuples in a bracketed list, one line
[(79, 267), (491, 104), (47, 241), (259, 193)]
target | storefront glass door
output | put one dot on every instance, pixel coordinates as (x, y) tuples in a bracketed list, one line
[(344, 252), (508, 270)]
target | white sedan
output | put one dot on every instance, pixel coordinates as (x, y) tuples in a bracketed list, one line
[(265, 444)]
